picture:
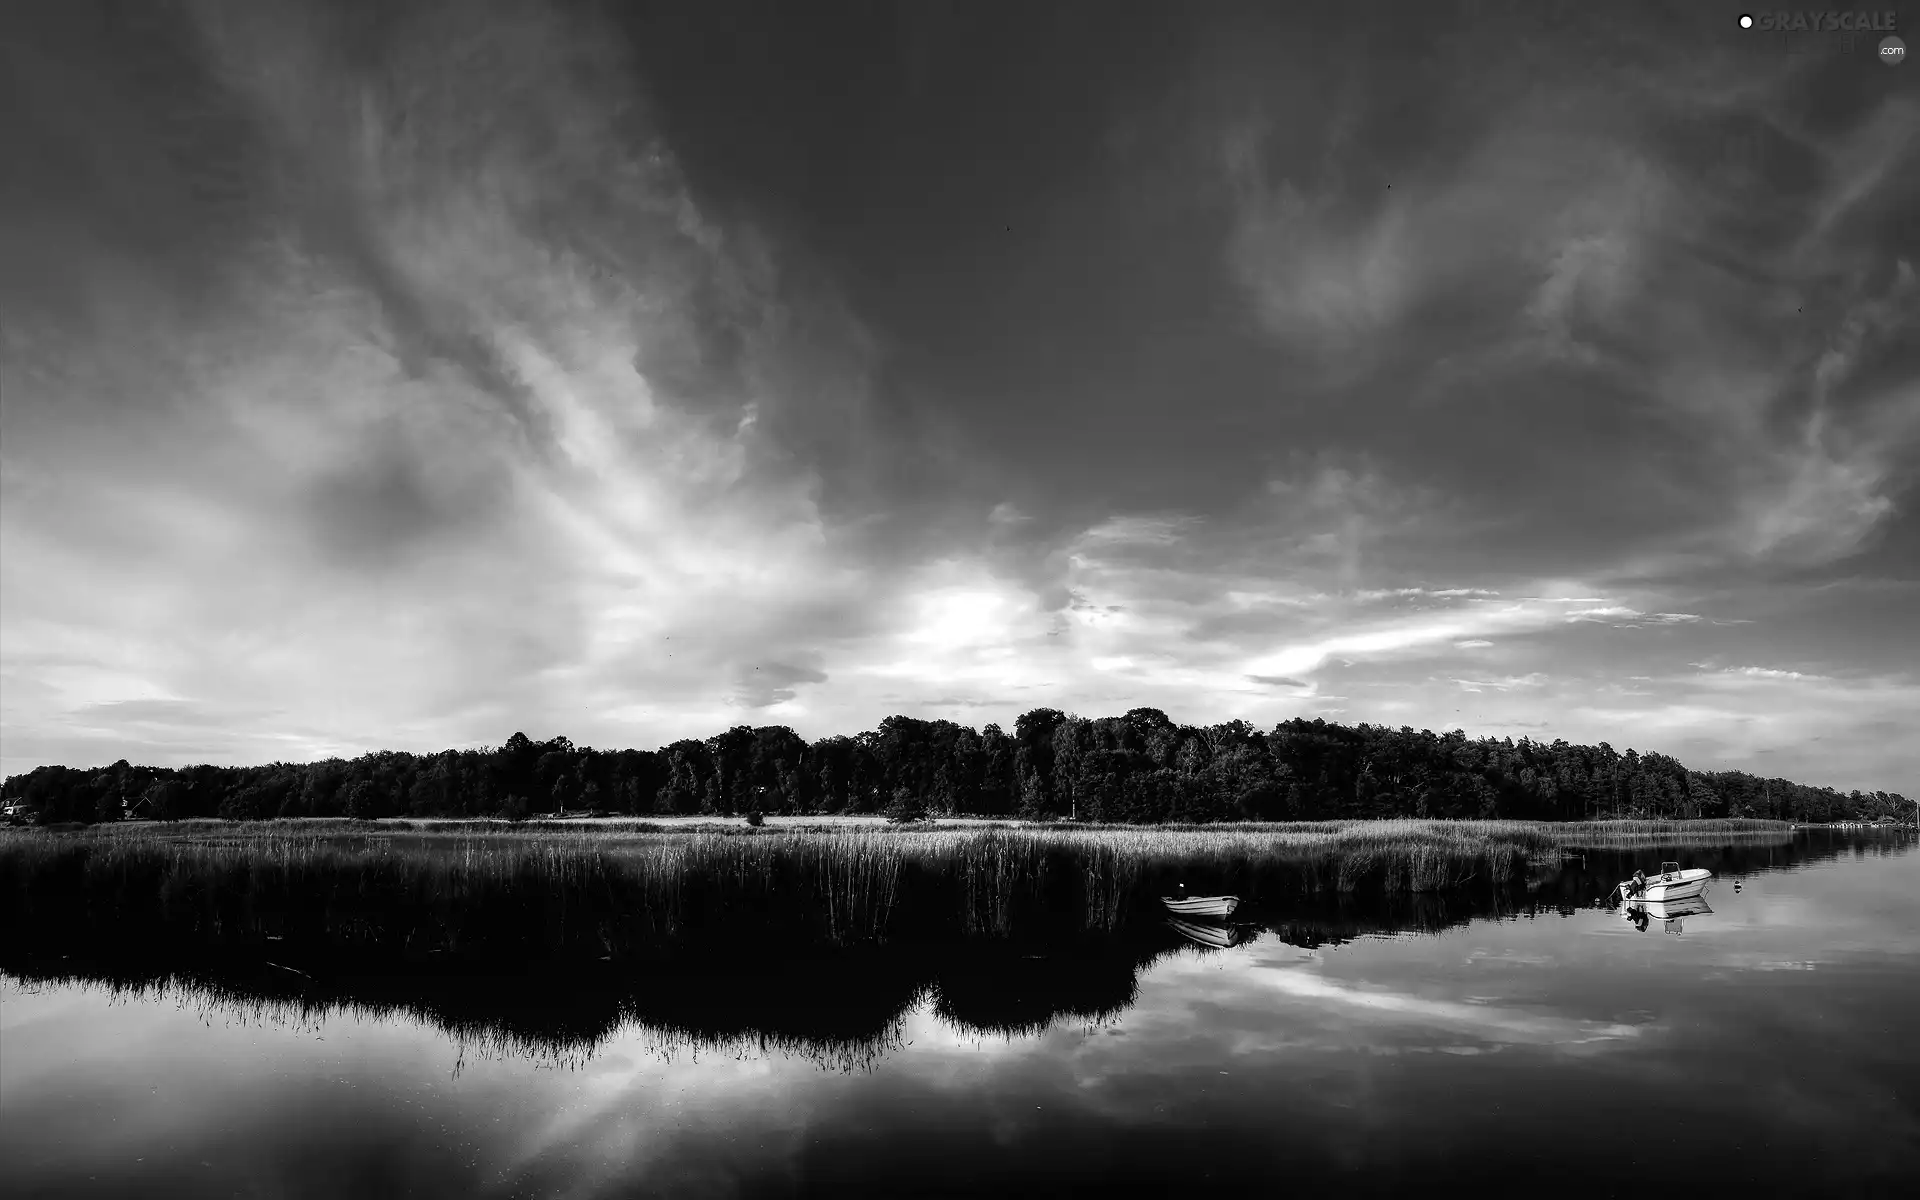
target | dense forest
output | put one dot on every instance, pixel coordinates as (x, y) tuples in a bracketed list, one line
[(1139, 768)]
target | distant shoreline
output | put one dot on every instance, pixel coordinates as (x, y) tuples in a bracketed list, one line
[(789, 823), (1138, 769)]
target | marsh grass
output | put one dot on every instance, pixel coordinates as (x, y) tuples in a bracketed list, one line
[(613, 889)]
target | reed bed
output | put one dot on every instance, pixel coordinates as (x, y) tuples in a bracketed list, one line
[(602, 891)]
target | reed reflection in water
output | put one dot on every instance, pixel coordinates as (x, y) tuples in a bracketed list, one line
[(1012, 966)]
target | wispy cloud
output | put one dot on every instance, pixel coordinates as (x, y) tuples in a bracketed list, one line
[(1604, 613), (457, 472), (1503, 684), (1763, 673), (1420, 592), (1498, 1023)]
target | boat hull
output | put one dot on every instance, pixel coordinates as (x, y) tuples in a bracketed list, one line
[(1662, 893), (1678, 886), (1202, 906)]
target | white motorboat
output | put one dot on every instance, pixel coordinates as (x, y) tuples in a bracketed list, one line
[(1201, 906), (1669, 883)]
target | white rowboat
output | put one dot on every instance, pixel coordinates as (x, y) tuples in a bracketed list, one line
[(1201, 906), (1671, 883)]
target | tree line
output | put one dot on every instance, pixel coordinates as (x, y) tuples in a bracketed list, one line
[(1139, 768)]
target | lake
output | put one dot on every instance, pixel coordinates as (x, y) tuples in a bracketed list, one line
[(1493, 1039)]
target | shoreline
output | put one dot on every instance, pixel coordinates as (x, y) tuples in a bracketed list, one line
[(844, 822)]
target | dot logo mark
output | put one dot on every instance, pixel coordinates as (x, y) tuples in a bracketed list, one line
[(1893, 51)]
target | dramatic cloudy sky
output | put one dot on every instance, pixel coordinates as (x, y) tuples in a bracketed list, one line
[(402, 375)]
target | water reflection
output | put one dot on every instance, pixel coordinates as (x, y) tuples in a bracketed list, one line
[(1374, 1044), (840, 1007), (1215, 935), (1668, 913)]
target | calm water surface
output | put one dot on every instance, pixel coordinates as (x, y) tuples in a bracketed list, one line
[(1769, 1046)]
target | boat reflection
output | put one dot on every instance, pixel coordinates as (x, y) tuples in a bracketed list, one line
[(1213, 934), (1670, 913)]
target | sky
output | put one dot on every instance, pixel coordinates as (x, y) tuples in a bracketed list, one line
[(401, 375)]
